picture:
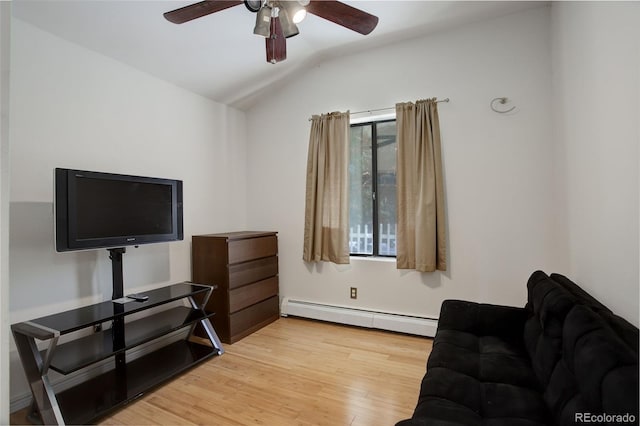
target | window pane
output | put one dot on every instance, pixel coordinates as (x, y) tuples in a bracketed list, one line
[(360, 191), (386, 194)]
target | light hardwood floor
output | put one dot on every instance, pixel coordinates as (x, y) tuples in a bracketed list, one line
[(292, 372)]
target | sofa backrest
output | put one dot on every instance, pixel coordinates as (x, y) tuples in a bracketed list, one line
[(623, 328), (584, 297), (598, 372), (585, 357), (548, 304)]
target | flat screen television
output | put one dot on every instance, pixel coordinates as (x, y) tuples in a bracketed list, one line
[(105, 210)]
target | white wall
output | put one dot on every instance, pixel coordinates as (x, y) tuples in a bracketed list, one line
[(498, 168), (73, 108), (596, 57), (5, 37), (523, 190)]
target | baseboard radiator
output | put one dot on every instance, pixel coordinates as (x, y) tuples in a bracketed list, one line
[(360, 317)]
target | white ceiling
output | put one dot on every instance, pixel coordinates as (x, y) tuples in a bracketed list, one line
[(218, 56)]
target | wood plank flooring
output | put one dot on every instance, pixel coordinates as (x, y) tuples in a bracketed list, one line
[(292, 372)]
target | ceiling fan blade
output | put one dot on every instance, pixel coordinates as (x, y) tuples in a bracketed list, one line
[(198, 10), (276, 43), (343, 14)]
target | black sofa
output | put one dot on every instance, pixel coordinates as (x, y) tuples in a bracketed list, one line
[(563, 359)]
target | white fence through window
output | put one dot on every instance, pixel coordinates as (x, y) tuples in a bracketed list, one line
[(361, 239)]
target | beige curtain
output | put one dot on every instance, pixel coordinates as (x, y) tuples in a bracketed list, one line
[(421, 241), (326, 223)]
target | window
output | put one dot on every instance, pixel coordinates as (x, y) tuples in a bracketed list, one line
[(372, 189)]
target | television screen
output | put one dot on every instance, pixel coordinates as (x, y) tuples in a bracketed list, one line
[(101, 210)]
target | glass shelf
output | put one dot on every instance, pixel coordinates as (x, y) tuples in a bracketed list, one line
[(76, 319), (85, 351), (98, 396)]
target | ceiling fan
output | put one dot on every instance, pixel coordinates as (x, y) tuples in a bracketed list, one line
[(276, 19)]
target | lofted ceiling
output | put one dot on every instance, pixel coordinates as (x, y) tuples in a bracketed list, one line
[(218, 56)]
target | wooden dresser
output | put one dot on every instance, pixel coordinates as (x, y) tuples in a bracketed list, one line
[(244, 266)]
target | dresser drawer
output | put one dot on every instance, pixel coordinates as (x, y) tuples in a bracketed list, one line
[(251, 294), (248, 320), (252, 248), (249, 272)]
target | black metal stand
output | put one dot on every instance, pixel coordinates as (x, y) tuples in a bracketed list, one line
[(117, 325), (84, 402), (115, 254)]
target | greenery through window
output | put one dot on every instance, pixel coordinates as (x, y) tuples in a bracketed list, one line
[(372, 189)]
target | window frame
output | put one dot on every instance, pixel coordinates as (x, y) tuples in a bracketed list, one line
[(374, 185)]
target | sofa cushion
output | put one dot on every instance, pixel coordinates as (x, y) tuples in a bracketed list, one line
[(582, 296), (577, 348), (456, 397), (485, 358), (549, 304), (482, 319), (478, 371), (598, 372), (625, 330)]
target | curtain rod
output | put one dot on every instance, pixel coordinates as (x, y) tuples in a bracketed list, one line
[(385, 109)]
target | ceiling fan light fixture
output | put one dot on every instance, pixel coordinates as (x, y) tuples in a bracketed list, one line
[(299, 15), (263, 22), (253, 5), (289, 28), (295, 9)]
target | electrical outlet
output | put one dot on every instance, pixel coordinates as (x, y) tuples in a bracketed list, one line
[(354, 292)]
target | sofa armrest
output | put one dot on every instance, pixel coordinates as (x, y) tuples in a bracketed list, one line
[(483, 319)]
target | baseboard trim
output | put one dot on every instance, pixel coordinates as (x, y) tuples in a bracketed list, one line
[(410, 324)]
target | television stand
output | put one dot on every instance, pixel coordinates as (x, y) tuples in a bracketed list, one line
[(127, 380)]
